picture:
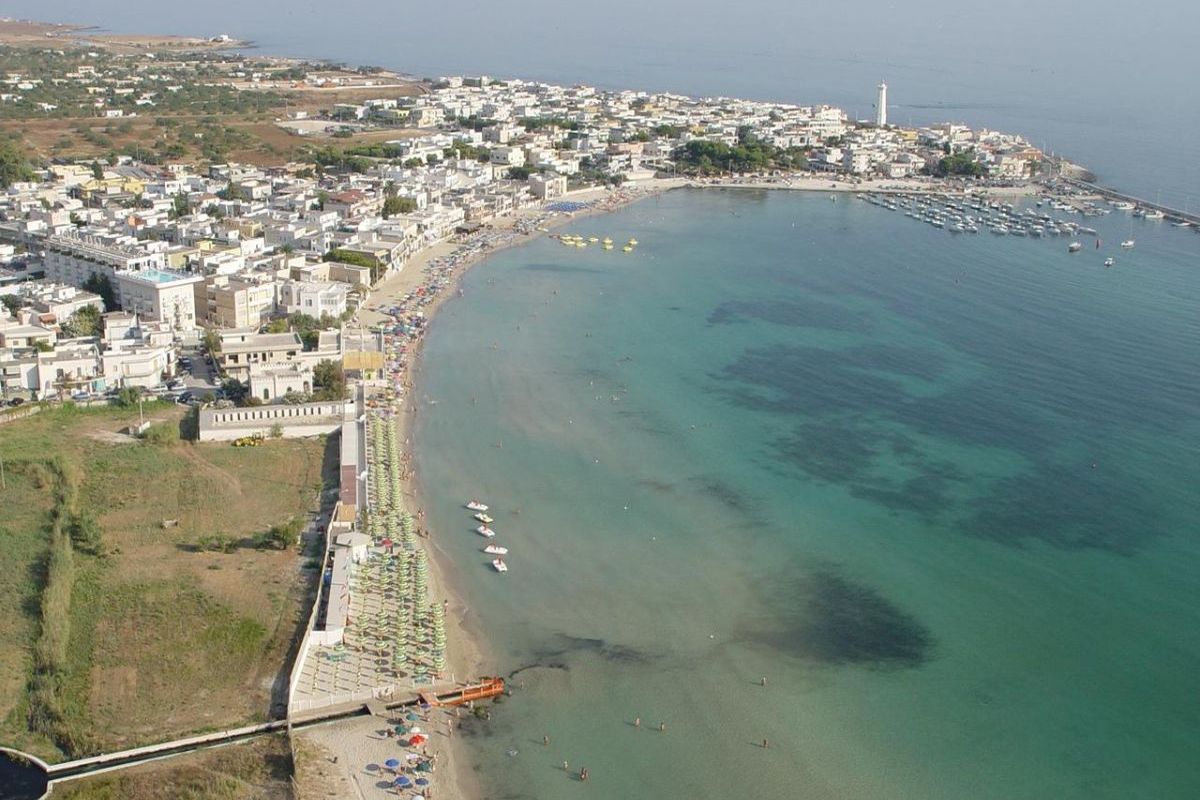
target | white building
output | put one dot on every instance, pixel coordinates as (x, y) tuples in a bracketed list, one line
[(881, 106), (313, 298), (74, 261), (160, 295)]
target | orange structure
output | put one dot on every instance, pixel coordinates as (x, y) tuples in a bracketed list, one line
[(487, 687)]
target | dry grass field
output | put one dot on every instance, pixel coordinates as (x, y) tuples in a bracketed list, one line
[(166, 637)]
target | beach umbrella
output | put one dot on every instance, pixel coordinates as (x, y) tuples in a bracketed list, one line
[(422, 781), (392, 763), (411, 717), (399, 729), (402, 781), (418, 740)]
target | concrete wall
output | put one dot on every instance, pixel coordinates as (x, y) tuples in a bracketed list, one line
[(305, 419)]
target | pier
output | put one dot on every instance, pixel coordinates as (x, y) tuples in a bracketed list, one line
[(484, 689), (1107, 193)]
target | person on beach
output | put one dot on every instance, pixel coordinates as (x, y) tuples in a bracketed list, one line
[(637, 722), (583, 773), (662, 727), (566, 768), (546, 740), (763, 682), (766, 744)]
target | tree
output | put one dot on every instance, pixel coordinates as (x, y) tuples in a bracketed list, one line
[(97, 171), (212, 341), (179, 205), (329, 381), (128, 396), (42, 346), (322, 199), (14, 166), (101, 285), (398, 205), (231, 192), (11, 302), (84, 322), (235, 390)]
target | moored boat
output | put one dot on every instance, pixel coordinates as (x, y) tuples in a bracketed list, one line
[(1074, 247), (500, 565), (484, 518), (484, 530), (1128, 244), (475, 505), (496, 550)]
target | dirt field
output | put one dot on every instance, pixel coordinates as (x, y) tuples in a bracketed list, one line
[(166, 637)]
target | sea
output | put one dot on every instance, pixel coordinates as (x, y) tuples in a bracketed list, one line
[(939, 491)]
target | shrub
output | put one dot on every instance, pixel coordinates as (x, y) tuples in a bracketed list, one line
[(163, 435)]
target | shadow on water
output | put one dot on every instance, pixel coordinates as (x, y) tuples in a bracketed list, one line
[(805, 313), (854, 406), (824, 617), (20, 779)]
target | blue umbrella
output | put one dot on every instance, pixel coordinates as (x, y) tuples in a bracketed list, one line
[(402, 781), (422, 782), (391, 763)]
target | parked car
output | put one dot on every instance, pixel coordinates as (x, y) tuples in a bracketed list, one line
[(176, 385), (16, 401), (80, 395)]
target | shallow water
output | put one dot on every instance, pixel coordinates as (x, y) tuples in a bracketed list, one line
[(939, 491)]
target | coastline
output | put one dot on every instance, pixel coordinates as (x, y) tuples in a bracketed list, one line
[(467, 654)]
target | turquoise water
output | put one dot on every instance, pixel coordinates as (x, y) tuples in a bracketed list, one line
[(940, 491)]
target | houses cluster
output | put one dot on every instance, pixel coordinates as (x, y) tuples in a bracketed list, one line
[(163, 252), (558, 131)]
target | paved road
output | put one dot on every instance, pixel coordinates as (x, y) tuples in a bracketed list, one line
[(202, 376)]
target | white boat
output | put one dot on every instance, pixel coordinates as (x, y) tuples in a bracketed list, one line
[(1154, 213), (1123, 206), (1128, 244), (1074, 247), (1108, 262), (475, 505), (484, 518), (484, 530), (496, 550), (500, 565)]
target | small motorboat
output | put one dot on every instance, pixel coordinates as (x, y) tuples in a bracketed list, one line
[(484, 518), (496, 550), (475, 505), (484, 530), (500, 565), (1128, 244), (1074, 247), (1108, 262)]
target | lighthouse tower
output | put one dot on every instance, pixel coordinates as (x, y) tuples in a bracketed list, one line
[(881, 106)]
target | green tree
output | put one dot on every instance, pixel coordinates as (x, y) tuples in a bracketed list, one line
[(329, 381), (101, 285), (398, 205), (97, 171), (128, 396), (14, 166), (84, 322), (235, 390), (11, 302), (179, 205), (42, 346)]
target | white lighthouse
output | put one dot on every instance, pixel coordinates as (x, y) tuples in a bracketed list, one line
[(881, 106)]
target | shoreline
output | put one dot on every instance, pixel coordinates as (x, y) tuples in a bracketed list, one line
[(468, 647), (467, 653)]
